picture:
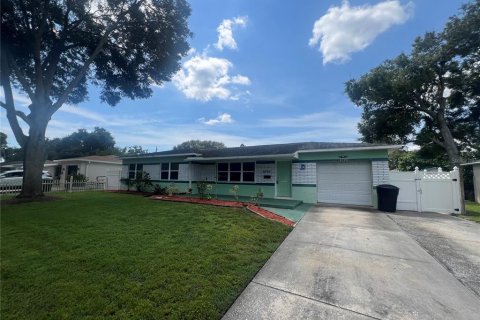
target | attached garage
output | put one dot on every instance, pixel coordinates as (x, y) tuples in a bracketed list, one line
[(344, 183)]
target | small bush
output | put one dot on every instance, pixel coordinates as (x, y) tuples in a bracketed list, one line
[(172, 189), (142, 181), (159, 190), (235, 190)]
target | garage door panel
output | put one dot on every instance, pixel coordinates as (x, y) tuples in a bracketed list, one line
[(344, 183)]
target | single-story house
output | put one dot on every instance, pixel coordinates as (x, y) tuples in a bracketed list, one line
[(340, 173), (49, 166), (476, 178), (94, 168)]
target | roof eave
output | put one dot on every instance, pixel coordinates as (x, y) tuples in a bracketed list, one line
[(352, 149), (160, 156), (86, 160), (268, 156)]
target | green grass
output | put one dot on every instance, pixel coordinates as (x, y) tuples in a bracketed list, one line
[(473, 211), (97, 255)]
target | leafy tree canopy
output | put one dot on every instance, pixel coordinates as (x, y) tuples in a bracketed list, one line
[(52, 50), (133, 150), (81, 143), (199, 145), (431, 96)]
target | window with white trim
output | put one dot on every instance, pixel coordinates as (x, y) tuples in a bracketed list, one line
[(236, 172), (133, 169), (169, 171)]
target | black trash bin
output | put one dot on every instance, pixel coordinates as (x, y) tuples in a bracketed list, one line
[(387, 197)]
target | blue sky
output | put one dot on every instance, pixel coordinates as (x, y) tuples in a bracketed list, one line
[(262, 72)]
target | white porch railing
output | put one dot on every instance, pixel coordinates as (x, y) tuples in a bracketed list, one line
[(57, 185)]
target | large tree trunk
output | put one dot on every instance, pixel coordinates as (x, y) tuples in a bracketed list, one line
[(453, 155), (34, 160)]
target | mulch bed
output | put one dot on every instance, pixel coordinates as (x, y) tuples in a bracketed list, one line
[(234, 204)]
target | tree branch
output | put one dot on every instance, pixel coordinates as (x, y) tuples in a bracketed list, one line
[(23, 116), (19, 75), (37, 48), (9, 104), (438, 142), (63, 98), (53, 57)]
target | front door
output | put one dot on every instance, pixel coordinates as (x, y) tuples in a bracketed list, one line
[(284, 178)]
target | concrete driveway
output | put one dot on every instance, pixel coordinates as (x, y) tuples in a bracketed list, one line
[(344, 263), (453, 242)]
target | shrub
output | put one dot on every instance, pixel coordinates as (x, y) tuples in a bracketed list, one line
[(159, 190), (142, 181), (235, 190), (257, 197), (172, 189)]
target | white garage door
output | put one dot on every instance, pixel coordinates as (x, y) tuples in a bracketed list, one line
[(344, 183)]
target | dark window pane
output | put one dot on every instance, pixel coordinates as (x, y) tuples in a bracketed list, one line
[(223, 176), (174, 175), (223, 167), (131, 175), (139, 167), (249, 166), (164, 175), (131, 167), (234, 176), (248, 176), (164, 166), (235, 166), (174, 166)]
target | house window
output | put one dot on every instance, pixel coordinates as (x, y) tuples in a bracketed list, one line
[(169, 171), (164, 171), (236, 172), (133, 169), (222, 172), (248, 172)]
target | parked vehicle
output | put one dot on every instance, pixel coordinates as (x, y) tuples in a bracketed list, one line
[(13, 179)]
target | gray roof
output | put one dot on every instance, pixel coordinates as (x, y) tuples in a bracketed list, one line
[(109, 158), (263, 150)]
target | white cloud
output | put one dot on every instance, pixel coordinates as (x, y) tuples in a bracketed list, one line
[(238, 79), (225, 32), (345, 29), (205, 78), (223, 118)]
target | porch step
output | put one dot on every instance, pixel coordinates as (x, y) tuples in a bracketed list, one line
[(280, 203)]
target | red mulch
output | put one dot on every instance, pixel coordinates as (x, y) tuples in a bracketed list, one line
[(223, 203), (270, 215)]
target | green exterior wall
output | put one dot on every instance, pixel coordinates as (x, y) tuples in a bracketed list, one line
[(307, 194), (247, 190)]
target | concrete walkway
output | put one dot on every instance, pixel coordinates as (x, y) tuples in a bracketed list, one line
[(342, 263)]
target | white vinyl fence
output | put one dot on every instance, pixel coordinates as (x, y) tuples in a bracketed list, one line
[(57, 185), (428, 191)]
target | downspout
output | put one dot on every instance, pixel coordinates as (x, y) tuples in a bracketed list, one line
[(86, 169)]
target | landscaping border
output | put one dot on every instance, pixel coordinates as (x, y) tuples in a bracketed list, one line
[(234, 204)]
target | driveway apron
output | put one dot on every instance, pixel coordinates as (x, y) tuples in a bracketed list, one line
[(349, 263)]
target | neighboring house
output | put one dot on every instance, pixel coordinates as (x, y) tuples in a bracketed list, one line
[(476, 178), (95, 168), (341, 173), (49, 166)]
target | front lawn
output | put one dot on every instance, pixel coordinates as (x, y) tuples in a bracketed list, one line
[(473, 211), (97, 255)]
